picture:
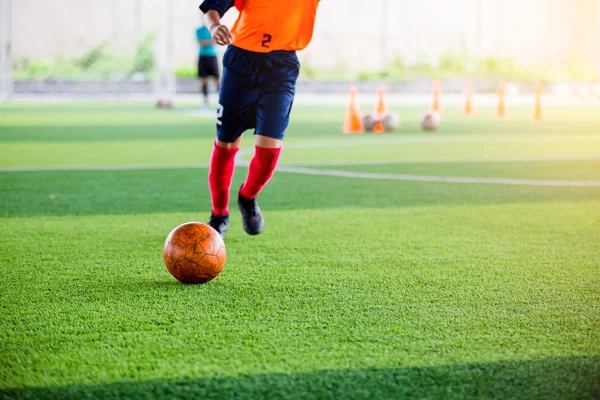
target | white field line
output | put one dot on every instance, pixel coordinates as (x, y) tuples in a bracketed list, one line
[(339, 144), (426, 178), (99, 168), (443, 179), (437, 138), (398, 177), (335, 173), (245, 152), (593, 157)]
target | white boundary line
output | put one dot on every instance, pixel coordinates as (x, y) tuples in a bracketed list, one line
[(99, 168), (434, 138), (366, 175), (426, 178), (336, 173), (244, 152), (593, 157), (442, 179), (347, 174)]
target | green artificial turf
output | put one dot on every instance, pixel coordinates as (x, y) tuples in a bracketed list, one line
[(357, 288)]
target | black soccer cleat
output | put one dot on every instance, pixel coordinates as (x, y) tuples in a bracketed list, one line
[(252, 218), (219, 223)]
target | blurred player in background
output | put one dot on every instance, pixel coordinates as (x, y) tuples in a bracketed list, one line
[(260, 69), (208, 64)]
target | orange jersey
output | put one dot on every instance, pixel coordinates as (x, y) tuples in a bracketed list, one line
[(267, 25)]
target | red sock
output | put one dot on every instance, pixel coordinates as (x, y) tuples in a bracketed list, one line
[(260, 171), (222, 165)]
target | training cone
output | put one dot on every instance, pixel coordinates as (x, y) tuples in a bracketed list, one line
[(378, 127), (353, 122), (537, 112), (501, 108), (380, 108), (467, 110), (380, 111), (436, 90)]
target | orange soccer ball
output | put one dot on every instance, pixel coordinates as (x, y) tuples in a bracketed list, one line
[(194, 253)]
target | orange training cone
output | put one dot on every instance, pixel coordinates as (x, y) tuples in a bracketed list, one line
[(380, 108), (468, 107), (436, 90), (353, 122), (380, 111), (378, 127), (501, 108), (537, 112)]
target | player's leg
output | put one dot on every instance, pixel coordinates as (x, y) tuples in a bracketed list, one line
[(260, 171), (210, 70), (262, 165), (234, 115), (203, 77), (272, 118), (204, 88), (220, 174)]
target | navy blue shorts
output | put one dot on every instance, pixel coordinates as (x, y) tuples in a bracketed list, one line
[(257, 92)]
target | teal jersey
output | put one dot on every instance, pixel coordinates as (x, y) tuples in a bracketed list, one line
[(203, 33)]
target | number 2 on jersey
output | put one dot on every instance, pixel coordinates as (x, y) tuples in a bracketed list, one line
[(268, 38)]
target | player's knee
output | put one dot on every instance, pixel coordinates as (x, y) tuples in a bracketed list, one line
[(236, 144), (268, 142)]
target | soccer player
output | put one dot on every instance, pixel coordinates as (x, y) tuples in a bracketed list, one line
[(208, 65), (260, 69)]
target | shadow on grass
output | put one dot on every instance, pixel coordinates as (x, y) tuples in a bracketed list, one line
[(562, 378)]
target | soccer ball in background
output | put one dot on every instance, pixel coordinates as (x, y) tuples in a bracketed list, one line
[(391, 121), (369, 122), (164, 104), (194, 253), (430, 121)]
